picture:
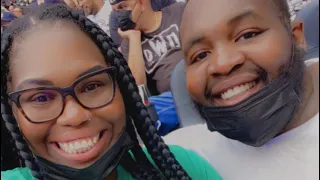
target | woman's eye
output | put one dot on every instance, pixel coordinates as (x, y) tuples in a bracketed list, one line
[(43, 98), (200, 56), (248, 35), (91, 87)]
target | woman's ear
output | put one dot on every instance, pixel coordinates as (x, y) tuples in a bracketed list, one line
[(298, 33)]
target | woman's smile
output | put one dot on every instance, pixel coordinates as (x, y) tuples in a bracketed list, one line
[(84, 149)]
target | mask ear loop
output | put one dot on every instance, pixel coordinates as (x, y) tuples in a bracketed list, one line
[(132, 11)]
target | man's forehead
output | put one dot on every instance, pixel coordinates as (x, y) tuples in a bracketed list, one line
[(211, 13), (220, 9)]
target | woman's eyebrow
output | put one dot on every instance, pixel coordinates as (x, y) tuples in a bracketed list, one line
[(44, 82), (41, 82), (93, 69)]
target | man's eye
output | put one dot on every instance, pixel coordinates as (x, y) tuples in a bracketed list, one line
[(200, 56), (248, 35), (121, 6)]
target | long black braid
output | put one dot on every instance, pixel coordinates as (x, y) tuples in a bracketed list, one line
[(139, 166)]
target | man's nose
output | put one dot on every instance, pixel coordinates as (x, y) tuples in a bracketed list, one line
[(225, 59)]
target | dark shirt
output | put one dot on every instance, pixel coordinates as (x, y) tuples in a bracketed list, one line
[(161, 49)]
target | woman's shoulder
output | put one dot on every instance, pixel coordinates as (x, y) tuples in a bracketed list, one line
[(196, 166), (17, 173)]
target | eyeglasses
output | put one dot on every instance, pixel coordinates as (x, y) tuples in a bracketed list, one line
[(42, 104)]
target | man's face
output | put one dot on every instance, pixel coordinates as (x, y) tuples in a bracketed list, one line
[(18, 12), (233, 48), (130, 5), (11, 9)]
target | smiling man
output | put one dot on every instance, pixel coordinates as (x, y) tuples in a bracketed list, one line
[(246, 75)]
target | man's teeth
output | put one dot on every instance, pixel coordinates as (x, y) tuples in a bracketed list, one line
[(80, 146), (237, 90)]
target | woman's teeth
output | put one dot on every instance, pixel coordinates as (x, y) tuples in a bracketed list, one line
[(79, 146), (237, 90)]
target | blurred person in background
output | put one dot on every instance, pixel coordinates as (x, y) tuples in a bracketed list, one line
[(97, 11), (156, 5), (152, 48), (6, 18), (18, 11), (11, 8)]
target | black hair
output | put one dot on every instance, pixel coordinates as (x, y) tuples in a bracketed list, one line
[(139, 166)]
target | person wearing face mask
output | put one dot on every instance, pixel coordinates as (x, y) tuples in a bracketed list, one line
[(151, 46), (245, 72), (73, 110), (156, 5)]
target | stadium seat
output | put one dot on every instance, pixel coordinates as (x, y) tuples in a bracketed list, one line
[(185, 107)]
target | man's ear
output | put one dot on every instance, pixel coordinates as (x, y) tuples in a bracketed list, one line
[(298, 33)]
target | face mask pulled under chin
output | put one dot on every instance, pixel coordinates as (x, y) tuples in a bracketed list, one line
[(259, 118), (124, 20), (97, 171)]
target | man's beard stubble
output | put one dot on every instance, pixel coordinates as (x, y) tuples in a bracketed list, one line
[(292, 71)]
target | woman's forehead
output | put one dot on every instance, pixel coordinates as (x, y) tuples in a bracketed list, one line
[(53, 53)]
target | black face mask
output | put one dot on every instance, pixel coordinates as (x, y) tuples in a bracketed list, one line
[(97, 171), (262, 116), (124, 20)]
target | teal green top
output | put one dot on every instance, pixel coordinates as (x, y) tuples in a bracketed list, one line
[(193, 164)]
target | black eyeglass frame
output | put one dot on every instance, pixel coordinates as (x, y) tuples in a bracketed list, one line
[(66, 91)]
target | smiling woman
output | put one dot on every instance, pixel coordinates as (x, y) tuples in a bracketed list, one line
[(72, 108)]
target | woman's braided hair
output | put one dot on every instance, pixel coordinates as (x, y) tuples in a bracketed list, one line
[(139, 166)]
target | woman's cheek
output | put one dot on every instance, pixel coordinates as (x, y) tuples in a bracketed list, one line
[(34, 134)]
